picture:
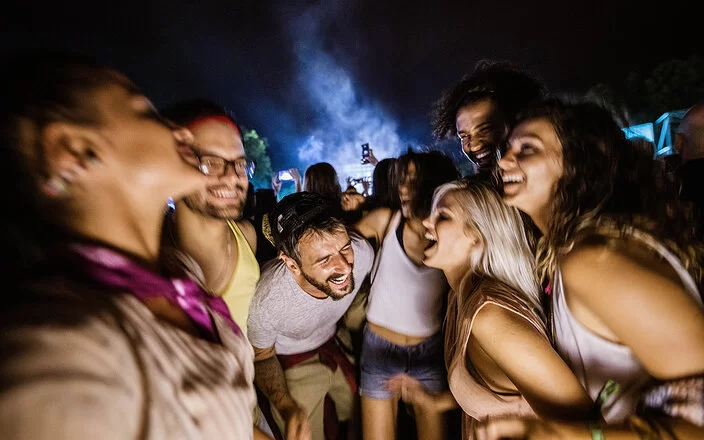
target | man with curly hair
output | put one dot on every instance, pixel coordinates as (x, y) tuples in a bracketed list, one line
[(481, 108)]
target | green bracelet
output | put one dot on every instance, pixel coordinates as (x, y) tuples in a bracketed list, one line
[(595, 430)]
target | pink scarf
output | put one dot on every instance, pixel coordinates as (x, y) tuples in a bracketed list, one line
[(111, 268)]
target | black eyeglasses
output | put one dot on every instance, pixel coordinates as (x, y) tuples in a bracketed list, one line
[(217, 166)]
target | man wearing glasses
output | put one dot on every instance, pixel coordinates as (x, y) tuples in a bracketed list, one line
[(208, 226)]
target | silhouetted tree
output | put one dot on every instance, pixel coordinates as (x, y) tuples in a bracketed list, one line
[(672, 85), (256, 148)]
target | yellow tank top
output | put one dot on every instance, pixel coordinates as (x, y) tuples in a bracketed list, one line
[(240, 290)]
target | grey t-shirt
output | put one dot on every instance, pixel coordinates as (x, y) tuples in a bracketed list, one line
[(284, 315)]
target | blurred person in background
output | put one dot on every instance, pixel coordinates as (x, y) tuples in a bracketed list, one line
[(689, 143), (406, 300)]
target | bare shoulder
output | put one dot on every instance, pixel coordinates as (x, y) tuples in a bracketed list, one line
[(492, 321), (249, 232), (594, 266), (589, 256), (375, 220)]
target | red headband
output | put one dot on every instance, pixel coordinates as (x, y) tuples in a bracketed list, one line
[(224, 119)]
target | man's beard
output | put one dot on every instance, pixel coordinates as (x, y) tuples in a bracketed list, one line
[(198, 203), (325, 286)]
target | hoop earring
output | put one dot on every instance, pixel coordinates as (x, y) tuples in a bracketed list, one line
[(56, 186)]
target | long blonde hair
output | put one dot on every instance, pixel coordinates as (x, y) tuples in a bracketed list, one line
[(507, 257)]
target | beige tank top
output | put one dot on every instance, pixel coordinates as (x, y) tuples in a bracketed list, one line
[(595, 360), (477, 399)]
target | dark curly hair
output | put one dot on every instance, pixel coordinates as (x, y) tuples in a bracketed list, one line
[(509, 87), (608, 184)]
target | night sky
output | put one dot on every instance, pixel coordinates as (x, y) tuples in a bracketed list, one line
[(319, 78)]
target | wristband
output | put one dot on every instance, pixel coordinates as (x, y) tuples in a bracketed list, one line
[(595, 430)]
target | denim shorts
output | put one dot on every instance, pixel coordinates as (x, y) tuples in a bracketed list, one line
[(382, 360)]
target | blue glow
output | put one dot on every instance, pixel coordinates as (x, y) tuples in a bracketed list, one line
[(646, 131), (346, 117)]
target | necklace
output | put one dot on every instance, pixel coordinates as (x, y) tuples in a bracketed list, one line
[(228, 255)]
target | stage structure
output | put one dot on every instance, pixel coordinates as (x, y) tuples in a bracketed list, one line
[(661, 133)]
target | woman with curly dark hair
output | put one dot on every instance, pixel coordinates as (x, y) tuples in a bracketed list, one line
[(623, 260)]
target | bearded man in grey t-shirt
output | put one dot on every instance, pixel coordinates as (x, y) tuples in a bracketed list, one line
[(293, 319)]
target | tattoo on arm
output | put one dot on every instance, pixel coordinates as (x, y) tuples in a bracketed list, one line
[(269, 377)]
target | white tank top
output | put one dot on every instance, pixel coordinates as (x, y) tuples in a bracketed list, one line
[(405, 297), (595, 360)]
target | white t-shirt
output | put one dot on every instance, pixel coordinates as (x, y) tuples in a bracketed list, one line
[(284, 315)]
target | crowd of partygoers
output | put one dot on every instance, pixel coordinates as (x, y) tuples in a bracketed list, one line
[(152, 293)]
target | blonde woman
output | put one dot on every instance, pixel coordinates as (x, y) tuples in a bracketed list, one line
[(500, 361)]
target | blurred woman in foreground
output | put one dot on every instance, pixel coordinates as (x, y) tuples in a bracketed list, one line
[(98, 339)]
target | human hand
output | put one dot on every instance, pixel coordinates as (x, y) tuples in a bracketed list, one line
[(276, 184), (297, 425), (295, 174), (412, 391), (352, 201), (365, 187), (528, 429), (296, 178), (371, 158)]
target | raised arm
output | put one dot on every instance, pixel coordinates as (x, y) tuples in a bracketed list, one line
[(373, 225)]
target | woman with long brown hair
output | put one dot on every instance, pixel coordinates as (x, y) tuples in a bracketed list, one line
[(623, 259)]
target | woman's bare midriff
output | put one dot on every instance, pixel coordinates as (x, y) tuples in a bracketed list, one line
[(394, 337)]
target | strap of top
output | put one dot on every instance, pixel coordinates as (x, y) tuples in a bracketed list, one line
[(611, 231), (490, 291)]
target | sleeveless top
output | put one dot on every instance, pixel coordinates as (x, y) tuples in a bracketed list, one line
[(477, 400), (405, 297), (240, 290), (595, 360)]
